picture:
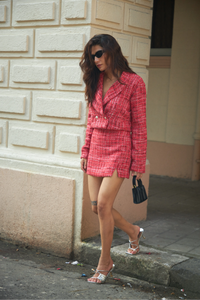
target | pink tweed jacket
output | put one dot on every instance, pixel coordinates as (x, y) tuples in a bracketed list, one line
[(123, 108)]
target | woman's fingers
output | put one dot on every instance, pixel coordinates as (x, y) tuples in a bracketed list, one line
[(83, 164), (137, 174)]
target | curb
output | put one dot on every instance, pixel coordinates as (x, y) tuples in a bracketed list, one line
[(152, 265), (187, 275)]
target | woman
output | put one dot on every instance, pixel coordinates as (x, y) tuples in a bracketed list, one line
[(116, 138)]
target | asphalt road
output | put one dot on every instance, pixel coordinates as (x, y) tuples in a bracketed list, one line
[(30, 274)]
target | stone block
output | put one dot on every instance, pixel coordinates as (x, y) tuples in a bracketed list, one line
[(16, 43), (5, 12), (142, 72), (35, 13), (148, 3), (69, 75), (1, 74), (3, 133), (75, 9), (125, 42), (32, 74), (76, 12), (62, 42), (2, 13), (12, 104), (38, 210), (95, 30), (4, 67), (69, 143), (141, 50), (29, 138), (59, 107), (15, 104), (108, 13), (137, 19)]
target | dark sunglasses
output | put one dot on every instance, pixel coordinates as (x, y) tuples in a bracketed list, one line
[(98, 54)]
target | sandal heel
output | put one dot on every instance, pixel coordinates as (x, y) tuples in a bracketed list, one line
[(132, 243), (102, 278)]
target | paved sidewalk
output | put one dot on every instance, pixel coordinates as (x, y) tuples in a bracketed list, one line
[(27, 273), (173, 221), (170, 253)]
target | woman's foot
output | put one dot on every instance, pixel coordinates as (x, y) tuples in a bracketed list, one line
[(134, 240), (102, 272)]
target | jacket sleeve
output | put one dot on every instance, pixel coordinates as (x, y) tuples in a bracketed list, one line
[(138, 127), (85, 149)]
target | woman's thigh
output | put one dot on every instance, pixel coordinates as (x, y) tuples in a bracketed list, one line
[(94, 184), (109, 189)]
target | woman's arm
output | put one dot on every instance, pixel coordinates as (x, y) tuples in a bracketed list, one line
[(86, 147), (139, 130)]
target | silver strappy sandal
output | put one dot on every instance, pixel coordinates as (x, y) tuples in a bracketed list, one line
[(132, 243), (101, 276)]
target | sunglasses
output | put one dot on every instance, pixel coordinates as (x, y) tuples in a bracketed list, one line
[(98, 54)]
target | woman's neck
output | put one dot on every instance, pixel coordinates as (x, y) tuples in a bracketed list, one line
[(108, 75)]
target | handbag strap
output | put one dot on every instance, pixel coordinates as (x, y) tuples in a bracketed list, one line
[(134, 181)]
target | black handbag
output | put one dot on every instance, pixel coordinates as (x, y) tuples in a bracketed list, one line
[(139, 192)]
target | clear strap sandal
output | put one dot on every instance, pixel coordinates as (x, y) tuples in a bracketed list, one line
[(136, 249), (101, 276)]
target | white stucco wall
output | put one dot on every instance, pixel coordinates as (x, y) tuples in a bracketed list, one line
[(42, 108)]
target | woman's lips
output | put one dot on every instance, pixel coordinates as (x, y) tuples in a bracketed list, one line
[(98, 66)]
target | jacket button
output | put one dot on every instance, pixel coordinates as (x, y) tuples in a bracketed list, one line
[(96, 117), (104, 117)]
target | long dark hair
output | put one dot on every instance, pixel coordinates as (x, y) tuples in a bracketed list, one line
[(118, 63)]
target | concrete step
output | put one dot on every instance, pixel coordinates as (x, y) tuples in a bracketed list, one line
[(152, 265)]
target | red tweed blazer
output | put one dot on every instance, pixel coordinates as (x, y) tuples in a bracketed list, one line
[(123, 108)]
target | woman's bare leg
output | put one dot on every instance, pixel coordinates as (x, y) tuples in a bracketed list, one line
[(94, 184), (131, 230), (106, 196)]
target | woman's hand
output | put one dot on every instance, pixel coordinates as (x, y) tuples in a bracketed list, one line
[(137, 174), (83, 164)]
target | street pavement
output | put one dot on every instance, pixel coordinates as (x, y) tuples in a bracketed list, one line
[(30, 274), (170, 253), (167, 267)]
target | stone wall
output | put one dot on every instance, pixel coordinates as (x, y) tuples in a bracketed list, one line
[(42, 107)]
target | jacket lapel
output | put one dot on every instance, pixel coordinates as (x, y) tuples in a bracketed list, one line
[(112, 92), (115, 89), (98, 103)]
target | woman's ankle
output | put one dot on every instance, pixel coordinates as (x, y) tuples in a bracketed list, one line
[(105, 261)]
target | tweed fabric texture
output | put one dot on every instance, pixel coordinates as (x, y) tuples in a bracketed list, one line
[(114, 121)]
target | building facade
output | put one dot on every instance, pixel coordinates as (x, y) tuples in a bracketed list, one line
[(43, 193), (173, 106)]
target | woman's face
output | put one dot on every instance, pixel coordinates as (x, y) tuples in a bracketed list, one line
[(100, 62)]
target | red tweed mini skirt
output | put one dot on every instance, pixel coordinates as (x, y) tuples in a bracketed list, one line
[(110, 150)]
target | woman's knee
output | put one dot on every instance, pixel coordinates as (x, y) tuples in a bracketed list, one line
[(104, 209)]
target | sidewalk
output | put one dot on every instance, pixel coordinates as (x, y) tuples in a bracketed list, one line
[(170, 254)]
